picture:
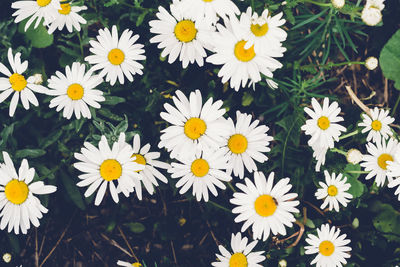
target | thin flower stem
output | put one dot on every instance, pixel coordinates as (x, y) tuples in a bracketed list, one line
[(395, 106), (348, 135), (231, 187), (219, 206), (80, 43), (317, 3), (359, 172), (338, 151)]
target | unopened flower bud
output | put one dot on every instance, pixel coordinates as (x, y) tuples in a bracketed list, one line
[(338, 3), (7, 257), (38, 78), (371, 63), (282, 263), (354, 156)]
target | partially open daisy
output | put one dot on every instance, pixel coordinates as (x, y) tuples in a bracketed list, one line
[(17, 83), (330, 246), (378, 125), (101, 166), (178, 34), (246, 143), (323, 126), (18, 204), (210, 9), (149, 161), (116, 57), (264, 32), (68, 17), (266, 207), (334, 191), (240, 65), (203, 172), (75, 91), (128, 264), (242, 254), (377, 161), (194, 126), (39, 9)]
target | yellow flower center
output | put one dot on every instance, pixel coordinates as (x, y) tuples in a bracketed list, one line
[(194, 128), (332, 190), (75, 91), (16, 191), (259, 30), (200, 167), (139, 159), (18, 82), (242, 54), (323, 122), (382, 160), (136, 264), (65, 9), (185, 31), (238, 260), (43, 3), (237, 143), (207, 0), (376, 125), (116, 56), (110, 169), (326, 248), (265, 205)]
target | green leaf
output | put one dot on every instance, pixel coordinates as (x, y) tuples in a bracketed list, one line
[(29, 153), (73, 191), (113, 100), (135, 227), (141, 18), (357, 187), (389, 59), (387, 220), (38, 37), (247, 99)]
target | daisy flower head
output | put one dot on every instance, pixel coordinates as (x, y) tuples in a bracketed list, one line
[(17, 83), (246, 143), (179, 34), (75, 91), (194, 126), (377, 126), (334, 191), (240, 65), (128, 264), (264, 32), (149, 174), (242, 254), (39, 9), (116, 57), (203, 172), (103, 165), (266, 207), (371, 15), (323, 126), (68, 17), (330, 246), (18, 204), (210, 10), (376, 162)]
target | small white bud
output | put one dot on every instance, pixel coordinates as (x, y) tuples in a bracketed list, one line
[(282, 263), (7, 257), (338, 3), (371, 63), (283, 3), (354, 156), (371, 15), (38, 78)]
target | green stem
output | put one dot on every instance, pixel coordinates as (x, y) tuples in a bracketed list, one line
[(231, 187), (219, 206), (317, 3), (359, 172), (395, 106), (348, 135), (338, 151), (252, 5), (80, 43)]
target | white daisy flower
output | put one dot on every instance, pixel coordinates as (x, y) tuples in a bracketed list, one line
[(116, 57), (101, 166), (377, 161), (323, 126), (128, 264), (178, 34), (239, 64), (202, 172), (67, 16), (334, 191), (210, 9), (371, 15), (194, 126), (378, 125), (330, 246), (46, 9), (18, 204), (75, 91), (246, 143), (266, 207), (263, 32), (17, 84), (149, 159), (242, 254)]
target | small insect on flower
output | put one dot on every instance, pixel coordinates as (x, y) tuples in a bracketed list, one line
[(17, 83), (116, 57), (330, 246), (18, 204), (377, 125), (67, 16), (266, 207), (242, 256), (334, 191)]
